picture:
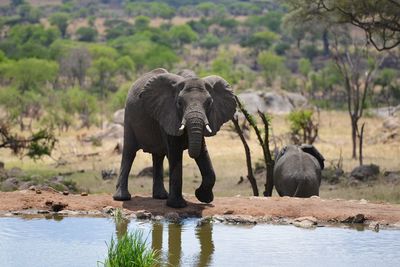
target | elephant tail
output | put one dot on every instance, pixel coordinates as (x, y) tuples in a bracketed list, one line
[(299, 188)]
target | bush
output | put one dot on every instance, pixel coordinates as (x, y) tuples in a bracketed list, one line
[(303, 127), (130, 251)]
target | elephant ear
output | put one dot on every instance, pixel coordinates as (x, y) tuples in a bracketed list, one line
[(310, 149), (224, 103), (279, 154), (159, 97)]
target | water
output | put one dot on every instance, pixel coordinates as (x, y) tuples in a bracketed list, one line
[(82, 242)]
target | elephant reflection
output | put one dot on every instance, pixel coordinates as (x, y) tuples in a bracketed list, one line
[(203, 234)]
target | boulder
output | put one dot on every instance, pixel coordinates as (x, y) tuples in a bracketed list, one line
[(11, 184), (16, 172), (112, 131), (118, 117), (365, 172), (391, 123), (276, 102), (148, 172)]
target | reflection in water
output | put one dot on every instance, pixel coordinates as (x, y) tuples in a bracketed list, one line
[(121, 227), (174, 244), (174, 249), (204, 234)]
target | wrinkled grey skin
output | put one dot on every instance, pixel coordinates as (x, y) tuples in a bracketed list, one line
[(166, 114), (297, 171)]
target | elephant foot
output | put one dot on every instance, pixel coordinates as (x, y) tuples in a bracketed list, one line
[(160, 193), (122, 195), (177, 203), (204, 195)]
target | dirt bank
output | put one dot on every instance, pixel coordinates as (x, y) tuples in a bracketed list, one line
[(327, 210)]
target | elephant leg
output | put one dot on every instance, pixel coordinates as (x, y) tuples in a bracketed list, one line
[(128, 155), (159, 191), (204, 192), (175, 151)]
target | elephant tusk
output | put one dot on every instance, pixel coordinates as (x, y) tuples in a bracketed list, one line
[(182, 127), (208, 128)]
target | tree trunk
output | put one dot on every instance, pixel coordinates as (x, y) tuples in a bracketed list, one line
[(325, 40), (250, 174), (354, 127)]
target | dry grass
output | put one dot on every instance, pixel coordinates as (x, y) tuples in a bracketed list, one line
[(227, 155)]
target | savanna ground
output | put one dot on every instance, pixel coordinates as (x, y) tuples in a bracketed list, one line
[(227, 154)]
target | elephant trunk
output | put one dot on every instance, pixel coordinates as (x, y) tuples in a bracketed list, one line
[(195, 129)]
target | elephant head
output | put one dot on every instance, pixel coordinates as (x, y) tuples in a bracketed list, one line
[(198, 106), (309, 149)]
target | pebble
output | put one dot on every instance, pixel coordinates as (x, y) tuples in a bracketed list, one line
[(84, 194), (172, 217), (65, 193), (305, 222), (143, 215), (38, 191)]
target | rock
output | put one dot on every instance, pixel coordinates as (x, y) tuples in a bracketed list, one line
[(32, 188), (374, 226), (386, 111), (58, 206), (43, 212), (11, 184), (48, 202), (365, 172), (16, 172), (305, 222), (359, 218), (281, 102), (109, 210), (239, 219), (203, 221), (3, 175), (158, 218), (392, 177), (148, 172), (172, 217), (228, 212), (84, 194), (391, 123), (25, 185), (65, 192), (363, 201), (118, 117), (143, 215), (108, 174)]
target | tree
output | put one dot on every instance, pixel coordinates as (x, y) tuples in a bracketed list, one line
[(32, 74), (182, 34), (378, 18), (261, 41), (303, 127), (87, 34), (305, 66), (272, 66), (74, 65), (60, 20), (125, 67), (358, 76), (387, 80), (37, 145)]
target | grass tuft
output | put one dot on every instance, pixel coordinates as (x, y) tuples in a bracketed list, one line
[(130, 251)]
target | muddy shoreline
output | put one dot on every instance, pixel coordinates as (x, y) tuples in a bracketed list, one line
[(307, 213)]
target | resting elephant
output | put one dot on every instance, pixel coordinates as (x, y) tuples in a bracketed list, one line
[(297, 171), (166, 114)]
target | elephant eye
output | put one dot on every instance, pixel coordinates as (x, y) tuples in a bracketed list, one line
[(179, 102), (209, 102)]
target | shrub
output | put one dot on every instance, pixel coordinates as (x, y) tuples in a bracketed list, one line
[(130, 251), (303, 127)]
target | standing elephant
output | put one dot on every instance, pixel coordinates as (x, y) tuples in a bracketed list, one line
[(297, 171), (165, 114)]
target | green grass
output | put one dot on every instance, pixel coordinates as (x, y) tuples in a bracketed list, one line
[(130, 251)]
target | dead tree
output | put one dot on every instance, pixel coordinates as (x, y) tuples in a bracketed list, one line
[(358, 76), (249, 165), (264, 143)]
